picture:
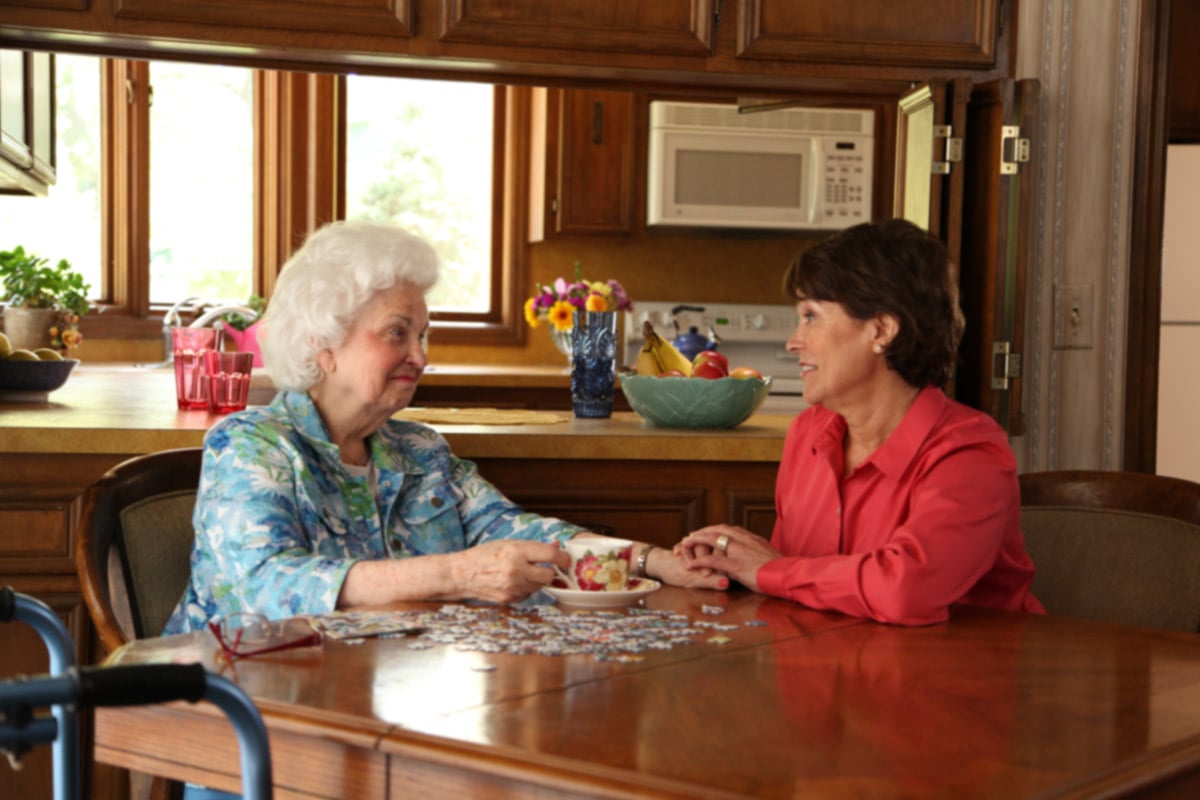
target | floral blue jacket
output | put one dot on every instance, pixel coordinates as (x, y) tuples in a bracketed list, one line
[(279, 520)]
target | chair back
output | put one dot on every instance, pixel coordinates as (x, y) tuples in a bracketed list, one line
[(1115, 546), (133, 555)]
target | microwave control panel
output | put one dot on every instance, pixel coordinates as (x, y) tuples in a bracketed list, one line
[(846, 198)]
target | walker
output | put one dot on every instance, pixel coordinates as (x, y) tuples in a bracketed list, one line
[(68, 688)]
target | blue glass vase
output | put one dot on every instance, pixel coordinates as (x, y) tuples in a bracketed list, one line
[(593, 363)]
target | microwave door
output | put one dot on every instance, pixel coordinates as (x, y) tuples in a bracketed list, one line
[(736, 181)]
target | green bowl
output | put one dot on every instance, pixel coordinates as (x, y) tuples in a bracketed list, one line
[(694, 402)]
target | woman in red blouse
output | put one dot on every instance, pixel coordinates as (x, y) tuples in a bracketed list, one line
[(894, 502)]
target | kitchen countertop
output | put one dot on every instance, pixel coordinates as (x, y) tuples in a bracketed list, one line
[(123, 409)]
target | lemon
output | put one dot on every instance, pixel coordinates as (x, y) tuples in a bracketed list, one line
[(5, 346), (22, 355), (46, 354)]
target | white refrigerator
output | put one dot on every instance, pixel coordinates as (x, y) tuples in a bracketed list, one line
[(1179, 342)]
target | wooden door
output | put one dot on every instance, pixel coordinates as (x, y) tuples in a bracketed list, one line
[(664, 27), (27, 164), (929, 171), (596, 181), (996, 246), (929, 33), (373, 17)]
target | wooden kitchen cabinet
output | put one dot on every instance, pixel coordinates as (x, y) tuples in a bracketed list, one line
[(585, 162), (947, 33), (393, 19), (26, 122), (664, 27), (771, 43), (653, 501), (1183, 95), (39, 512)]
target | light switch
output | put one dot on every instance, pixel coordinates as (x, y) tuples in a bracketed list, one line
[(1074, 316)]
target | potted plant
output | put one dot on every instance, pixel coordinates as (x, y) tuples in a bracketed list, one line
[(43, 304)]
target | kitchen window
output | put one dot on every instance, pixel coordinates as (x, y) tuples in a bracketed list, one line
[(419, 154), (192, 184)]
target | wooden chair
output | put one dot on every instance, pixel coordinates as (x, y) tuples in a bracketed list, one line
[(1115, 546), (135, 542), (133, 556)]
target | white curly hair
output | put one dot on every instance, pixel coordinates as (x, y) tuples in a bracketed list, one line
[(324, 286)]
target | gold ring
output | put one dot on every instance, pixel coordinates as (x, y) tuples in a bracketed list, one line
[(723, 543)]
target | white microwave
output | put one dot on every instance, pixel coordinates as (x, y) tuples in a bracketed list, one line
[(710, 165)]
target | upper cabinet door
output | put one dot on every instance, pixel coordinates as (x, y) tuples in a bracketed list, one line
[(936, 33), (584, 162), (996, 246), (27, 162), (929, 170), (375, 17), (661, 27), (1183, 97)]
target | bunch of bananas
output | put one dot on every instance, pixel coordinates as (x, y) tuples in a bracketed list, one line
[(658, 355)]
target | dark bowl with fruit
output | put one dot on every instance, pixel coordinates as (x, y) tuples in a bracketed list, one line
[(695, 402), (29, 380)]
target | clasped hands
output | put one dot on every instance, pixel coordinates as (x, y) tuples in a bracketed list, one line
[(726, 550), (504, 571)]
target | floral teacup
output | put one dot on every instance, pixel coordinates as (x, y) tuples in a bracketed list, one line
[(599, 564)]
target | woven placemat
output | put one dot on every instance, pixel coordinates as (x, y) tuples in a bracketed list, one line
[(481, 416)]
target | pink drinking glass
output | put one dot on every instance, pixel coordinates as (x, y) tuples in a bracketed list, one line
[(189, 346), (228, 378)]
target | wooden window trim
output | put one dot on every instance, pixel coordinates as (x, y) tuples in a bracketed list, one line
[(299, 185)]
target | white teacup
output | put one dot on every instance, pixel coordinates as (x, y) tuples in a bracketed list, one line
[(599, 564)]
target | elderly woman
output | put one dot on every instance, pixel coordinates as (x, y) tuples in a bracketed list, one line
[(893, 501), (322, 500)]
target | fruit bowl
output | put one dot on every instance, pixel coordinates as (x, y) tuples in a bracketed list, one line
[(694, 402), (23, 381)]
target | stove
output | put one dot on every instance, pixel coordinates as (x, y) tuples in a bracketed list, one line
[(750, 336)]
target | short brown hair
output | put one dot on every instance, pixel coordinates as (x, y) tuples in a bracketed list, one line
[(896, 268)]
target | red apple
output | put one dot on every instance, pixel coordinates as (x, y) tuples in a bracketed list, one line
[(712, 355), (709, 369), (744, 373)]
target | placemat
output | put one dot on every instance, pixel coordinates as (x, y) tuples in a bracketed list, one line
[(482, 416)]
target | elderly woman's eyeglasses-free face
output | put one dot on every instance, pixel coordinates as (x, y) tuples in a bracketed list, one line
[(243, 635)]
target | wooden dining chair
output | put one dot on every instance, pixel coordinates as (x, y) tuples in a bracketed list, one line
[(133, 554), (1115, 546)]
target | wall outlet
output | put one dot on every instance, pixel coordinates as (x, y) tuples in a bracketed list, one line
[(1074, 316)]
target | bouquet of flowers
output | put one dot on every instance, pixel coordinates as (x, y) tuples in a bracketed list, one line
[(557, 303)]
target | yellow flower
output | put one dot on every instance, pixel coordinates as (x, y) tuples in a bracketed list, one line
[(601, 288), (595, 302), (531, 316), (562, 316), (71, 338)]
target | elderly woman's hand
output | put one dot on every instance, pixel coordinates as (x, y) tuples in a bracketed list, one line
[(729, 549), (506, 570), (672, 568)]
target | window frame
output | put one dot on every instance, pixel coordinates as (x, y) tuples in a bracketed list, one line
[(299, 185)]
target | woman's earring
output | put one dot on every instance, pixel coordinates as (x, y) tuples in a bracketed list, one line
[(878, 349)]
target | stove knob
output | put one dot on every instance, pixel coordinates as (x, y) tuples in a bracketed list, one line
[(759, 322)]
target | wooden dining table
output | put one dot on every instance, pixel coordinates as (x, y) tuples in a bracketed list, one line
[(775, 701)]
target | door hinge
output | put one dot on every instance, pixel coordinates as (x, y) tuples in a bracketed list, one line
[(1005, 364), (1014, 150), (951, 153)]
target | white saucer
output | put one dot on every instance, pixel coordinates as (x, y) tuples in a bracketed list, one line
[(581, 599)]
